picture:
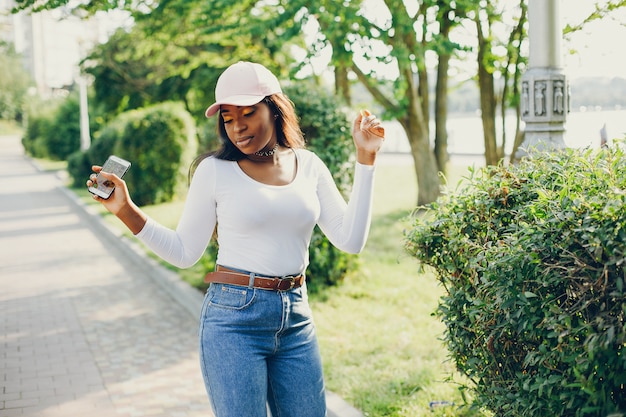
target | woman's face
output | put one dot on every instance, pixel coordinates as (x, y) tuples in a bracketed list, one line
[(249, 128)]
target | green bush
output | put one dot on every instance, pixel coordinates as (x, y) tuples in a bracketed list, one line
[(53, 128), (14, 83), (160, 143), (34, 136), (79, 168), (532, 258), (327, 133), (103, 144), (54, 132), (63, 137)]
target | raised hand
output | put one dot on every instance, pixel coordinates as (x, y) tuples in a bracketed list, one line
[(368, 135)]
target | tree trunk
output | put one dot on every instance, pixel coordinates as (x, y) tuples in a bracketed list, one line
[(441, 113), (488, 115), (424, 161), (424, 94), (415, 125), (487, 98), (342, 84), (441, 97), (518, 34)]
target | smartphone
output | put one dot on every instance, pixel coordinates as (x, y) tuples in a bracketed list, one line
[(114, 165)]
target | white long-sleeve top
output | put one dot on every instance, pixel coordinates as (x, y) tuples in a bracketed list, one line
[(263, 228)]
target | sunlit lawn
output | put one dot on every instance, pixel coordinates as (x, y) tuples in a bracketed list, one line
[(380, 342), (9, 128)]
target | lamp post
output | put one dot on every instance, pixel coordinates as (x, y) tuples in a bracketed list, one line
[(545, 92), (85, 137), (83, 81)]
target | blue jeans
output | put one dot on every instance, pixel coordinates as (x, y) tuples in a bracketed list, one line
[(258, 348)]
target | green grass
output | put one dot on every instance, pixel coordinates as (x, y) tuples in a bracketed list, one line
[(380, 342), (10, 128), (49, 165), (379, 339)]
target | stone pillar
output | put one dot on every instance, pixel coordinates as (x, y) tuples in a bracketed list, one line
[(85, 137), (83, 80), (545, 91)]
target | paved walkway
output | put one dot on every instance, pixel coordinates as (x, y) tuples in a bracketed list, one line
[(89, 326)]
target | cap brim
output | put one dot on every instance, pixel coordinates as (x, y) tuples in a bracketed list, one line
[(240, 100)]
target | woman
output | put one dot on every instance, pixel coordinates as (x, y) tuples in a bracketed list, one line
[(264, 193)]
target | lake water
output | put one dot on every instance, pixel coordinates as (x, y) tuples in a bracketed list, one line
[(465, 134)]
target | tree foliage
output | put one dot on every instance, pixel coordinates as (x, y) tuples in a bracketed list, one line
[(601, 10), (14, 84), (176, 52), (368, 44), (182, 39), (81, 7), (177, 49)]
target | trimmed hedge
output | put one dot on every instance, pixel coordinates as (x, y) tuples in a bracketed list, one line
[(532, 258), (159, 141), (54, 131), (35, 134)]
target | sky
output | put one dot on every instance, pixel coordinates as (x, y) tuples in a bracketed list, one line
[(599, 46)]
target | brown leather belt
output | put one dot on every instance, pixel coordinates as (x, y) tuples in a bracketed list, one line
[(225, 275)]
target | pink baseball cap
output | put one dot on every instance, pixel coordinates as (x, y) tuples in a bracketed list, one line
[(243, 84)]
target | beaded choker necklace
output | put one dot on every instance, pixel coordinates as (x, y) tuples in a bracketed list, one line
[(268, 153)]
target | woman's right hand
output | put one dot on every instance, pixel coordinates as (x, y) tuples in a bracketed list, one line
[(120, 196), (368, 135), (119, 203)]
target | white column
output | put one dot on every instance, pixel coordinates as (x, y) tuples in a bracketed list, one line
[(545, 92), (544, 34), (85, 137)]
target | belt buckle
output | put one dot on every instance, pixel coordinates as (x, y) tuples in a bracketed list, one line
[(289, 280)]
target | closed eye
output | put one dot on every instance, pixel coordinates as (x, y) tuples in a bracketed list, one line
[(248, 112)]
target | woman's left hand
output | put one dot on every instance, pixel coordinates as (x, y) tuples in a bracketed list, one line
[(368, 135)]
